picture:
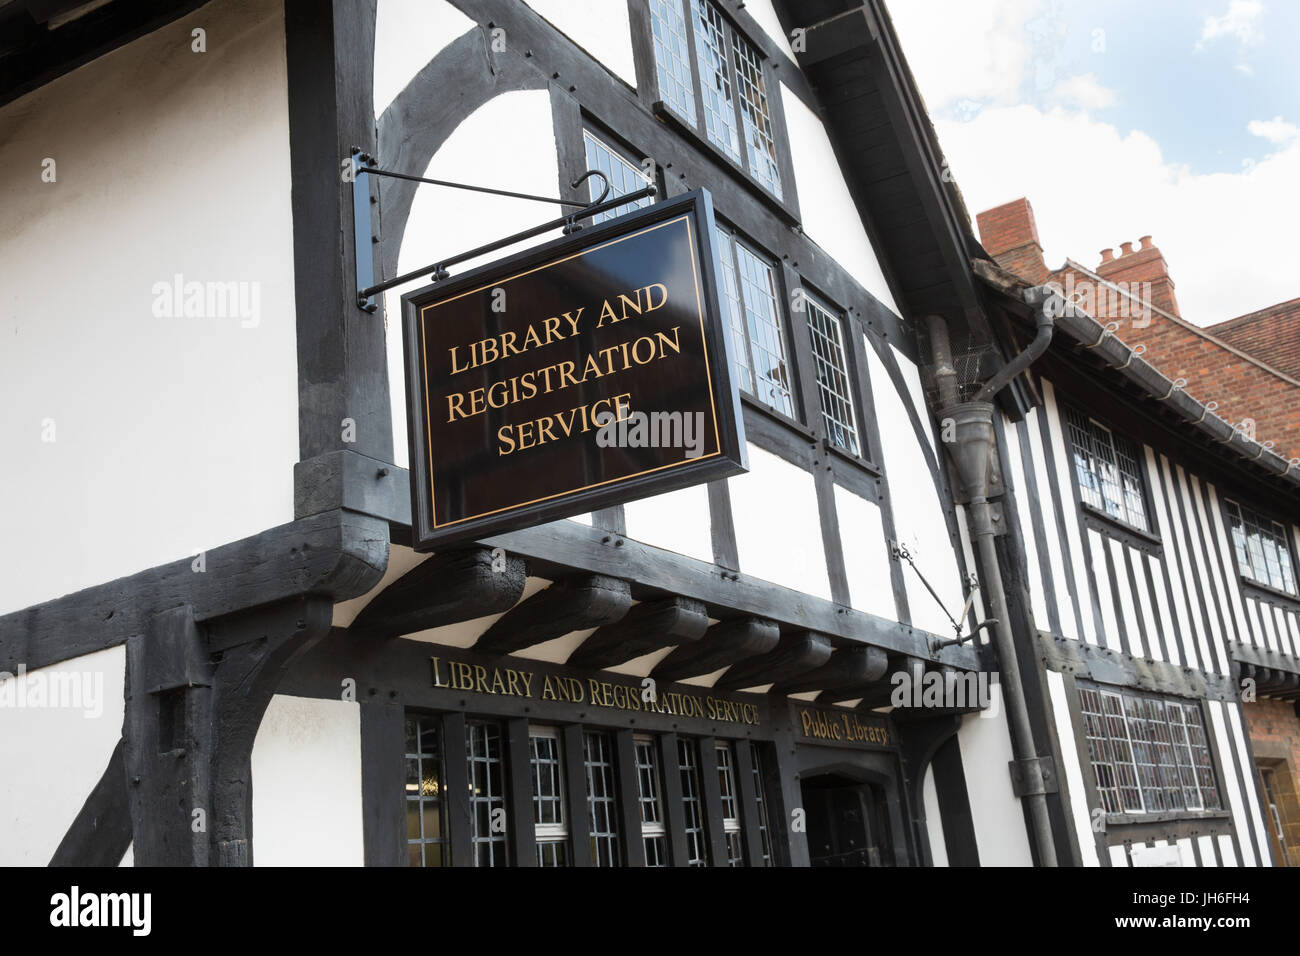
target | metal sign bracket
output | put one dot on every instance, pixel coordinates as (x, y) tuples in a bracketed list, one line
[(366, 233)]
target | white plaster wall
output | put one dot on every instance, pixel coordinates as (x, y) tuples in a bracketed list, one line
[(606, 36), (933, 819), (1074, 768), (985, 752), (830, 218), (763, 12), (52, 757), (778, 526), (866, 554), (508, 142), (918, 511), (408, 34), (678, 521), (171, 435), (307, 784)]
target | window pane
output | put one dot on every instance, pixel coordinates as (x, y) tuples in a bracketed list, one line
[(763, 328), (760, 146), (735, 312), (1263, 553), (601, 799), (711, 46), (486, 793), (624, 177), (424, 791), (672, 57), (689, 769), (1148, 755), (730, 805), (833, 390), (765, 836), (1108, 469), (548, 800), (651, 803)]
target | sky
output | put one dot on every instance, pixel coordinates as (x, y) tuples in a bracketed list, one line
[(1178, 119)]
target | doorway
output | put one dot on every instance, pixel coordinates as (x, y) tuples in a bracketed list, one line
[(848, 822)]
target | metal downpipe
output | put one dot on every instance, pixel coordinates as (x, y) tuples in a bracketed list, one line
[(971, 455)]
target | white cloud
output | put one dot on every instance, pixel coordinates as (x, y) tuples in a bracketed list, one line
[(1240, 21), (983, 52), (1229, 238), (1276, 130), (1083, 91)]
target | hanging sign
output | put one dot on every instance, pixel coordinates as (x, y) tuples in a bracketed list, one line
[(589, 371)]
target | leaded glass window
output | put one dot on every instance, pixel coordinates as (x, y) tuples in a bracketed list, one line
[(650, 800), (602, 798), (1261, 547), (486, 793), (760, 144), (688, 766), (549, 823), (673, 57), (734, 103), (426, 841), (1110, 478), (1148, 754), (764, 831), (752, 304), (730, 805), (624, 176), (833, 390)]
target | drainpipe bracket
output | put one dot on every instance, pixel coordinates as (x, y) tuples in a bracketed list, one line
[(1033, 776)]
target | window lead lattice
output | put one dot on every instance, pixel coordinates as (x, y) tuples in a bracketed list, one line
[(1260, 544), (1106, 464), (624, 177), (1148, 755), (834, 393)]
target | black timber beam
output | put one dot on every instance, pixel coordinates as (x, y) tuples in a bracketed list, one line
[(647, 627), (725, 643), (846, 667), (338, 554), (446, 588), (572, 604), (794, 654)]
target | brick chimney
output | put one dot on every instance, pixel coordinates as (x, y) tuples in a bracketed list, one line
[(1010, 235), (1134, 267)]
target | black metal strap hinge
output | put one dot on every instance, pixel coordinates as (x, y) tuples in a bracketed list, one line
[(363, 167)]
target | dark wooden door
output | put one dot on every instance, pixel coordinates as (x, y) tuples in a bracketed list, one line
[(847, 822)]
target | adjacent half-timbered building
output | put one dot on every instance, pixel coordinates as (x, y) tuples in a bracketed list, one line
[(971, 602)]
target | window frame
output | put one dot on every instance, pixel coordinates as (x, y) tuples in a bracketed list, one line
[(1125, 814), (735, 241), (696, 130), (608, 767), (420, 799), (729, 792), (651, 830), (854, 382), (550, 833), (1098, 518), (1244, 505), (620, 150)]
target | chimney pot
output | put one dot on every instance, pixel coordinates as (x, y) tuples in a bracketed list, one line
[(1126, 248), (1146, 242), (1107, 255)]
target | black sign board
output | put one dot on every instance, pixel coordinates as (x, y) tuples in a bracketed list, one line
[(588, 371), (837, 727)]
